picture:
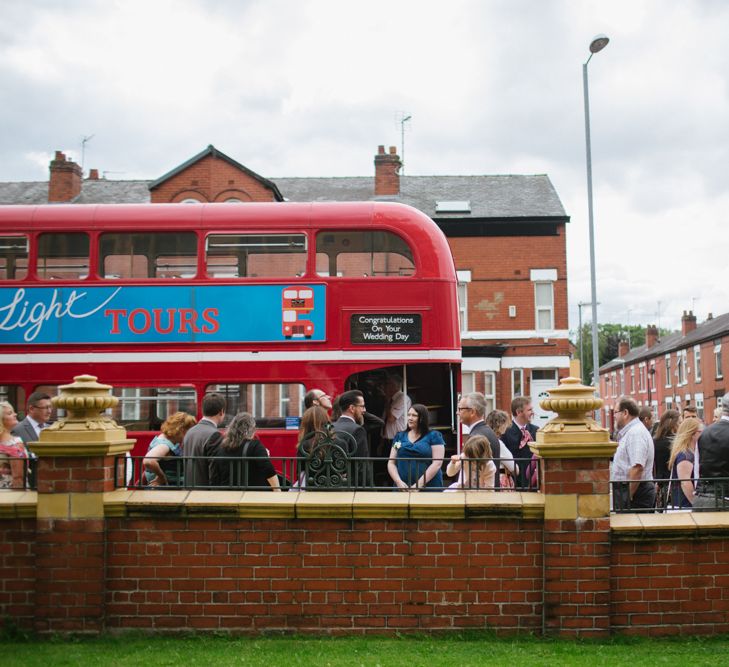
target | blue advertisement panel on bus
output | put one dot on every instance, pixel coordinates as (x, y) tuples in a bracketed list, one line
[(162, 314)]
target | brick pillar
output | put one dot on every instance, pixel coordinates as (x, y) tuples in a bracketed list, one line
[(75, 469), (575, 452)]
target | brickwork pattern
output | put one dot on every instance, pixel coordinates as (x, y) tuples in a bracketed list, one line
[(17, 570), (211, 180), (671, 586), (324, 575)]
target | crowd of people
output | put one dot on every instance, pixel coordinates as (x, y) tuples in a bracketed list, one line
[(677, 464), (200, 454)]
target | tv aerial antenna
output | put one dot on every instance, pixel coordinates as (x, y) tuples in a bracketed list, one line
[(402, 118), (84, 140)]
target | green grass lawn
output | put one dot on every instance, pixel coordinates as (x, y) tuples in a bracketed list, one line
[(472, 649)]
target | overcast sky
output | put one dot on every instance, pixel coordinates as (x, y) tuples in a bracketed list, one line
[(311, 87)]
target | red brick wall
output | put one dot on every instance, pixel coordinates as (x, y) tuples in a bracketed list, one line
[(668, 587), (211, 179), (17, 570), (324, 575), (500, 277), (356, 577)]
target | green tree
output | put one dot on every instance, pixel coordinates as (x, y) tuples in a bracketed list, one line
[(608, 339)]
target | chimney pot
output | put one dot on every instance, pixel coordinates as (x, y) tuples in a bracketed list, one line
[(387, 172), (651, 335), (65, 179), (688, 322)]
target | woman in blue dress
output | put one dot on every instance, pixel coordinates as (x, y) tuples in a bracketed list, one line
[(416, 457)]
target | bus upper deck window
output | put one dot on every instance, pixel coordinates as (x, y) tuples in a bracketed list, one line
[(255, 255), (13, 257), (351, 254), (63, 256), (148, 255)]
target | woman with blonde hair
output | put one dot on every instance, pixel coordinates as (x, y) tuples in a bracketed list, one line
[(474, 466), (681, 463), (160, 466), (12, 450)]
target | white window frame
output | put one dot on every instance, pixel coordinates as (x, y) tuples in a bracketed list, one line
[(699, 400), (489, 396), (681, 368), (464, 277), (517, 377), (258, 400), (468, 378), (622, 382), (543, 308), (719, 373), (632, 379), (131, 410), (642, 374), (284, 402), (697, 363), (667, 360), (614, 381)]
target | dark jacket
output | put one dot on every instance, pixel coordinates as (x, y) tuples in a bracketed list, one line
[(362, 472), (200, 441), (714, 451), (25, 431), (229, 468), (522, 457)]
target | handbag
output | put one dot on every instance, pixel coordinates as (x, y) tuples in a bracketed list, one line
[(506, 481)]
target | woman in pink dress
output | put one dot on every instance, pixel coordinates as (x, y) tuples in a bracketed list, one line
[(13, 454)]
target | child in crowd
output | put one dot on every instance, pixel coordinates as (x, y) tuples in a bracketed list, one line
[(473, 466)]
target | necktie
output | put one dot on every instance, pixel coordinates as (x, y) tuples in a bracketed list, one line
[(526, 437)]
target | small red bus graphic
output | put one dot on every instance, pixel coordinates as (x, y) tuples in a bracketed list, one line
[(297, 301)]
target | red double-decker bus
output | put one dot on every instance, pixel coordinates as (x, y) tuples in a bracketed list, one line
[(168, 302)]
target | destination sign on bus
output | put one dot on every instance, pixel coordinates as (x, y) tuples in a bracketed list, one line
[(386, 329), (162, 314)]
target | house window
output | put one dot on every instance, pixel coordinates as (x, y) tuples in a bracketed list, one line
[(642, 377), (463, 306), (667, 360), (632, 379), (681, 367), (544, 304), (489, 390), (517, 382), (622, 381), (697, 363), (699, 397), (468, 383), (614, 381), (717, 359)]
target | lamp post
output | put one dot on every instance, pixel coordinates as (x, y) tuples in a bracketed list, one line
[(598, 44), (582, 355)]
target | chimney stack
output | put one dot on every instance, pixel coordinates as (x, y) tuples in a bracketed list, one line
[(651, 335), (387, 172), (688, 322), (65, 182), (623, 348), (93, 175)]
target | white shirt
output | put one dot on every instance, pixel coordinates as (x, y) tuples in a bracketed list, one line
[(635, 447)]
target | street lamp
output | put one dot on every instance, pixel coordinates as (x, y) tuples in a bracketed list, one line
[(582, 356), (598, 43)]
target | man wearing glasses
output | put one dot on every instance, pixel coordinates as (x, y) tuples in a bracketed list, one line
[(351, 422), (38, 414), (633, 460), (471, 412), (319, 398)]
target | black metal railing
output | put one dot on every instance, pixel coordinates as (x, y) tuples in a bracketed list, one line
[(18, 473), (670, 495), (324, 468)]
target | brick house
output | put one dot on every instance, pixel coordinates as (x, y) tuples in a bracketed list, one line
[(506, 233), (685, 368)]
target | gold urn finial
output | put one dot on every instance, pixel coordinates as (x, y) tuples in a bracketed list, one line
[(85, 399), (85, 429), (573, 402), (573, 430)]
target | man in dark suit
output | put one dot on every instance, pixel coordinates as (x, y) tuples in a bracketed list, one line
[(713, 456), (352, 404), (519, 435), (471, 412), (38, 413), (202, 440)]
